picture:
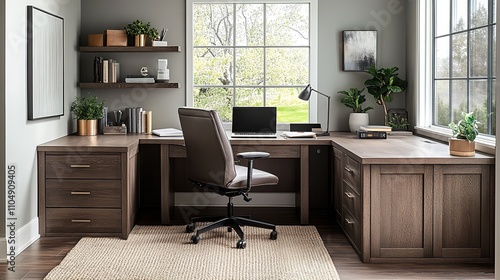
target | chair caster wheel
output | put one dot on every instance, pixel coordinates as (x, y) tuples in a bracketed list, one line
[(273, 235), (241, 244), (195, 239), (190, 228)]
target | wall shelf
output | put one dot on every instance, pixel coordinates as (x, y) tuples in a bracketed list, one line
[(129, 85), (130, 49)]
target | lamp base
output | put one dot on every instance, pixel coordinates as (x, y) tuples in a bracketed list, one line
[(323, 133)]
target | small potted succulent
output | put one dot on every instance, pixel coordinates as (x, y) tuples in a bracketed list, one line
[(464, 134), (140, 31), (87, 110), (354, 99)]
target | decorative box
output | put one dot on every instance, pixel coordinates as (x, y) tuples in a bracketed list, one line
[(116, 38), (95, 40)]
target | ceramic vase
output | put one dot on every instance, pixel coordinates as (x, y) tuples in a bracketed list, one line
[(356, 120)]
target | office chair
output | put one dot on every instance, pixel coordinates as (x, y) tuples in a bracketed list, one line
[(210, 165)]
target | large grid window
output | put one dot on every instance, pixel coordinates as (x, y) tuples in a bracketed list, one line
[(464, 61), (249, 54)]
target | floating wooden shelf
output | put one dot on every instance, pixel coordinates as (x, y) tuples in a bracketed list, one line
[(130, 49), (129, 85)]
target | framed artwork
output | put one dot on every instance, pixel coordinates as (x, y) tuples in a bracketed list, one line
[(45, 64), (360, 50)]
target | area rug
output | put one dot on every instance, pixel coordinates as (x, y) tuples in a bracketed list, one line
[(166, 252)]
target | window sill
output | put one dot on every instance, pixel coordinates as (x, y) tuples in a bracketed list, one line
[(483, 144)]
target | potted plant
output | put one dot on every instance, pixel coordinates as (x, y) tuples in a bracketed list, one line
[(87, 110), (140, 30), (383, 83), (464, 133), (354, 99)]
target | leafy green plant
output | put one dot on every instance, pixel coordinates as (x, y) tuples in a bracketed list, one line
[(137, 27), (466, 128), (383, 83), (87, 107), (353, 99), (398, 122)]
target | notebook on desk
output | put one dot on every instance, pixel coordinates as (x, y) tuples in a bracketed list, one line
[(254, 122)]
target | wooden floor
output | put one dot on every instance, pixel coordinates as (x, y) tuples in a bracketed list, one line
[(38, 259)]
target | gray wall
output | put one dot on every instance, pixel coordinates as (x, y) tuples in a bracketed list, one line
[(386, 16)]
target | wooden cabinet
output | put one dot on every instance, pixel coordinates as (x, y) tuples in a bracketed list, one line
[(83, 192), (418, 209)]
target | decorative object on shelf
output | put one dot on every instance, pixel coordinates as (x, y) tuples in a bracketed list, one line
[(398, 119), (360, 50), (464, 135), (95, 40), (140, 30), (383, 83), (306, 94), (116, 38), (87, 110), (45, 75), (162, 73), (354, 99), (144, 71), (162, 39)]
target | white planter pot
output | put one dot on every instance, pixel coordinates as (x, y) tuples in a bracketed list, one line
[(358, 119)]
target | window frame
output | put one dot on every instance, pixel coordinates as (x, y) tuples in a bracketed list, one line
[(313, 46)]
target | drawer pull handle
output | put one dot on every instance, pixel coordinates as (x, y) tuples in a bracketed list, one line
[(349, 222), (80, 193), (349, 195), (80, 221), (80, 165), (348, 169)]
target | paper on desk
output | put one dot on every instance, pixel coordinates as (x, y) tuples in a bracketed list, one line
[(293, 134), (167, 132)]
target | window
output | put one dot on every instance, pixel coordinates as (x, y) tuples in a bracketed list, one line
[(464, 62), (250, 53)]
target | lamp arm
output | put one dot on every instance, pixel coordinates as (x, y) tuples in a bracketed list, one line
[(321, 93), (328, 113)]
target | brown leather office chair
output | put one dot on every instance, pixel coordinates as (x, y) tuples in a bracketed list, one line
[(210, 164)]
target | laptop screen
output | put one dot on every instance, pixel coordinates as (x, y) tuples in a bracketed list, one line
[(254, 119)]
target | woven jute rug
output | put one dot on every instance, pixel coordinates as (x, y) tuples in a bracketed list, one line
[(166, 252)]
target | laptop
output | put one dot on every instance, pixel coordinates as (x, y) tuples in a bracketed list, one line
[(254, 122)]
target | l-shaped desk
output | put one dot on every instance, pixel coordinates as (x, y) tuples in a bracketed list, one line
[(403, 197)]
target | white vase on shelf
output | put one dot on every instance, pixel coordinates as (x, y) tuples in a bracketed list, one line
[(358, 119)]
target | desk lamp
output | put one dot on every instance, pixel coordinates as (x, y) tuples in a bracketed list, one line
[(305, 95)]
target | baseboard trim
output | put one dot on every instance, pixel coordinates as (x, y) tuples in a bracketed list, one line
[(212, 199), (26, 235)]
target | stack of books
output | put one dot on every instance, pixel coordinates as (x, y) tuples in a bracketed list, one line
[(373, 131), (106, 70), (139, 79)]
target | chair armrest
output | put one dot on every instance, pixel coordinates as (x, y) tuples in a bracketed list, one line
[(252, 155)]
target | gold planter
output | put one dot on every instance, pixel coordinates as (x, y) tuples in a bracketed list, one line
[(462, 147), (87, 127), (140, 40)]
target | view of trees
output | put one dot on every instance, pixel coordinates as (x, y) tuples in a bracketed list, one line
[(251, 55), (464, 77)]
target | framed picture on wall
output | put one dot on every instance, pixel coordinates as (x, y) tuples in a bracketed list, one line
[(45, 64), (360, 50)]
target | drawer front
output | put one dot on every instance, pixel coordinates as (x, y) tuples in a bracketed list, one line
[(85, 166), (352, 228), (352, 202), (352, 173), (82, 220), (83, 193)]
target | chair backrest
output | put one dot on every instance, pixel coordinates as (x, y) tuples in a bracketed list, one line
[(209, 155)]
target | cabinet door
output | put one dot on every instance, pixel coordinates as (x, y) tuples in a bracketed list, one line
[(337, 184), (462, 211), (401, 211)]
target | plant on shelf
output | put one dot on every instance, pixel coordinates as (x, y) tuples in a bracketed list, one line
[(354, 99), (383, 83), (398, 122), (140, 30), (464, 133), (87, 110)]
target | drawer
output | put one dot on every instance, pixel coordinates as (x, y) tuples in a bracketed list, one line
[(83, 193), (83, 166), (352, 229), (352, 173), (82, 220), (352, 201)]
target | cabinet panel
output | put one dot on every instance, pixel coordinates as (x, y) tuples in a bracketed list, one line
[(401, 207), (352, 229), (352, 173), (337, 184)]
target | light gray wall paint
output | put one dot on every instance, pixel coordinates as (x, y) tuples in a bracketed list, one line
[(3, 242), (23, 136), (386, 16)]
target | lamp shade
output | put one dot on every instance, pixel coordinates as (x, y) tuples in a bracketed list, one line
[(306, 93)]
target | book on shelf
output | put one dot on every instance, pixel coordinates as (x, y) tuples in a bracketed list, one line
[(105, 70), (139, 79), (375, 128)]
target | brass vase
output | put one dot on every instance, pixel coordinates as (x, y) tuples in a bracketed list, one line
[(140, 40), (462, 147), (87, 127)]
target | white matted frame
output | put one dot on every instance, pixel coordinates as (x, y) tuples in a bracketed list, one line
[(45, 64), (360, 50)]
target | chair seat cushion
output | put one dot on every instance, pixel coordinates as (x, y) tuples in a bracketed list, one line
[(259, 178)]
